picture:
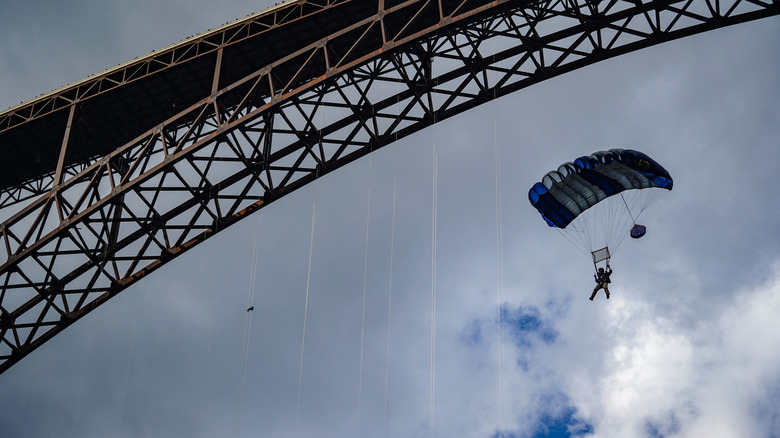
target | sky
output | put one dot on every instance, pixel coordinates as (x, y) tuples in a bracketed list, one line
[(415, 292)]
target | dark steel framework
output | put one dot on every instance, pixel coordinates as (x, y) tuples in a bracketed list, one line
[(106, 180)]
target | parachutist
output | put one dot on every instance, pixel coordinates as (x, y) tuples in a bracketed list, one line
[(602, 281)]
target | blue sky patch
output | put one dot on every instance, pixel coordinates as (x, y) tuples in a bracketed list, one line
[(565, 424), (663, 427), (554, 423), (764, 409), (524, 324)]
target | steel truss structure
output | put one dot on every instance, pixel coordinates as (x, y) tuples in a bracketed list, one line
[(224, 123)]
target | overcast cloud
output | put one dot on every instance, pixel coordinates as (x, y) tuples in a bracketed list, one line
[(686, 347)]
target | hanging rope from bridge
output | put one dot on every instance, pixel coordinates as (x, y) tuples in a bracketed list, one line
[(305, 313), (434, 227)]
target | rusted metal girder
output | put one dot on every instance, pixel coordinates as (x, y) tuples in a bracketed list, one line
[(386, 70)]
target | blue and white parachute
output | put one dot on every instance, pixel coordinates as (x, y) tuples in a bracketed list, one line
[(595, 200)]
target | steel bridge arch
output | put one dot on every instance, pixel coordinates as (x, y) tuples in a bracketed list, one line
[(219, 128)]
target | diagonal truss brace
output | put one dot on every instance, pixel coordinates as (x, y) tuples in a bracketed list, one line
[(119, 218)]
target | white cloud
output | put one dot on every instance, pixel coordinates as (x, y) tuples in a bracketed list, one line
[(713, 380)]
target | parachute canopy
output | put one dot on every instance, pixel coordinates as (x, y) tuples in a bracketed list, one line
[(595, 200), (564, 194)]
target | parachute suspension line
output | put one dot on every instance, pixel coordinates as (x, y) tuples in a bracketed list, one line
[(626, 204), (612, 224), (434, 217), (620, 225), (608, 225), (615, 232), (571, 236), (608, 218), (305, 314), (647, 197), (588, 227), (598, 218), (639, 200), (579, 232), (390, 296), (499, 272), (365, 288)]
